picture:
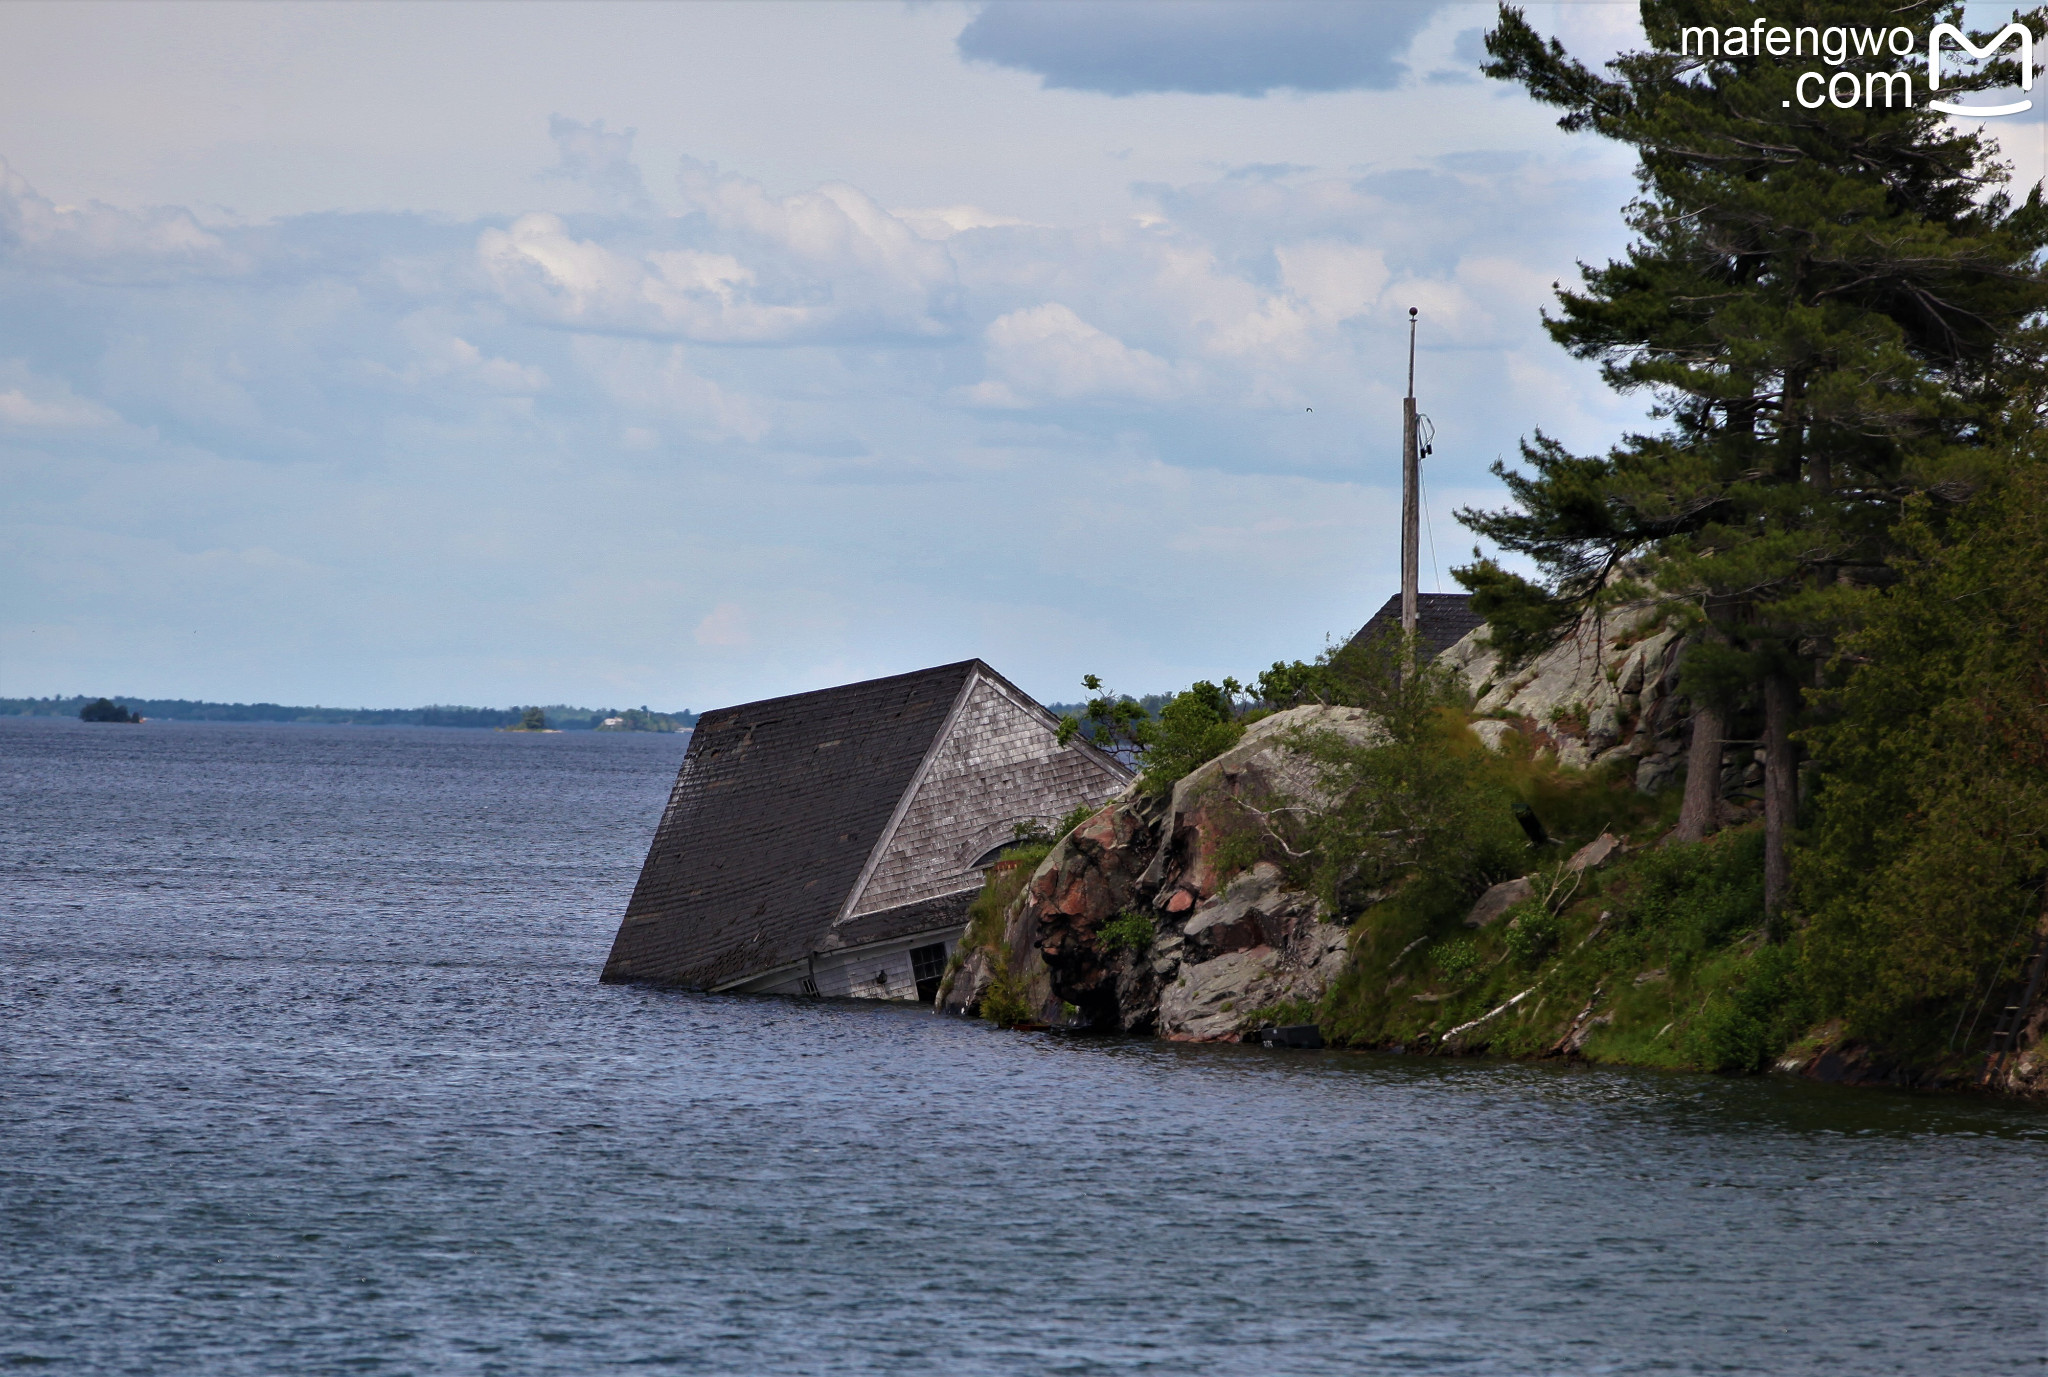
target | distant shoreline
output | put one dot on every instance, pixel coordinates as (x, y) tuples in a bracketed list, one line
[(560, 716)]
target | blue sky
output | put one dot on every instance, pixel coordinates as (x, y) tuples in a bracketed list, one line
[(386, 354)]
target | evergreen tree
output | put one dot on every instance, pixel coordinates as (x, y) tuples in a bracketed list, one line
[(1831, 310), (1925, 866)]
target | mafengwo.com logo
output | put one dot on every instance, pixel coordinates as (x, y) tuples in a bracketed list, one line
[(1835, 46)]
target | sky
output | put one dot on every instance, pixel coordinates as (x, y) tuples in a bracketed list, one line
[(385, 354)]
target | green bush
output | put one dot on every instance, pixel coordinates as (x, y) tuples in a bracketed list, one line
[(1691, 899), (1194, 728), (998, 889), (1003, 1001), (1132, 930), (1753, 1017), (1455, 958), (1533, 934)]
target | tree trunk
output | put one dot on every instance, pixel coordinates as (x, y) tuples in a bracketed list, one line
[(1700, 813), (1781, 796)]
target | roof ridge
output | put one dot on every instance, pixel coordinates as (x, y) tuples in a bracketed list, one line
[(836, 689)]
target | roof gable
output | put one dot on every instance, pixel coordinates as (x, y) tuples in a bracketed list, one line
[(997, 763)]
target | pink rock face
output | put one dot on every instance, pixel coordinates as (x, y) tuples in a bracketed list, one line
[(1157, 856), (1100, 829)]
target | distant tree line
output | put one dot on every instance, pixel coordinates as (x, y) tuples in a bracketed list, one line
[(435, 715)]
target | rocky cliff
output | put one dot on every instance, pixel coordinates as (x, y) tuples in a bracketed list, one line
[(1158, 915), (1607, 693), (1139, 922)]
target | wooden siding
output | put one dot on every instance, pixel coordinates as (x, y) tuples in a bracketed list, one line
[(1000, 764)]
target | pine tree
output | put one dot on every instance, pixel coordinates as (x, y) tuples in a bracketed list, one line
[(1830, 309), (1924, 869)]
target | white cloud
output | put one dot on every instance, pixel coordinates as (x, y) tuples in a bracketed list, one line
[(589, 429), (943, 222), (443, 360), (55, 409), (599, 158), (1333, 281), (824, 265), (1047, 353), (657, 383), (97, 240)]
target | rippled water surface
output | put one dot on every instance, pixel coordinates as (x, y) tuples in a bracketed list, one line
[(306, 1069)]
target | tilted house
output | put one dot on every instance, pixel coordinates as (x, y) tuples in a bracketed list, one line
[(829, 843)]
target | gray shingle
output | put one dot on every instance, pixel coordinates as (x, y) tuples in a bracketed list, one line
[(773, 815), (1441, 620)]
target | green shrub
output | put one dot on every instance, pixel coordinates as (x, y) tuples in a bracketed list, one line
[(1753, 1017), (1194, 728), (1694, 898), (1533, 934), (998, 889), (1455, 958), (1132, 930), (1003, 1001)]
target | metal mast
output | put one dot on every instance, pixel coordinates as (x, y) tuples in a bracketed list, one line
[(1411, 506)]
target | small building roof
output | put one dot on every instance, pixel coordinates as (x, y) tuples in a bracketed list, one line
[(1441, 621)]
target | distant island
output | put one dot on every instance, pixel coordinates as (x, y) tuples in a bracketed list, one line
[(558, 716)]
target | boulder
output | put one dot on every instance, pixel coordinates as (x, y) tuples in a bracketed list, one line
[(1596, 853), (1226, 945), (1499, 900), (1603, 691), (1496, 734)]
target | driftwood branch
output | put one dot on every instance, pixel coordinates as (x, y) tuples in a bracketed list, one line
[(1491, 1014)]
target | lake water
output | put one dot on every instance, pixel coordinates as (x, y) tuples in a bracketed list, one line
[(304, 1068)]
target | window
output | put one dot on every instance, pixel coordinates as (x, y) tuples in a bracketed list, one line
[(928, 968)]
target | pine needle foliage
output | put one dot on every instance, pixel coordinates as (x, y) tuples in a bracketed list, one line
[(1924, 871), (1831, 310)]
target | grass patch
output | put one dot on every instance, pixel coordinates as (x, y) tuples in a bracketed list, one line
[(1658, 960)]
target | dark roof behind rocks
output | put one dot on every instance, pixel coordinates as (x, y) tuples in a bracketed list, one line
[(1441, 620)]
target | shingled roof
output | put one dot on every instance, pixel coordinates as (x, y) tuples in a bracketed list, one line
[(779, 820), (1441, 620)]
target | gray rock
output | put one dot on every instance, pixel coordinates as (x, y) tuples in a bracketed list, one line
[(1234, 919), (1596, 853), (1499, 900), (1495, 733)]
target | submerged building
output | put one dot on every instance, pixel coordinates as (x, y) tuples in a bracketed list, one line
[(829, 843)]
